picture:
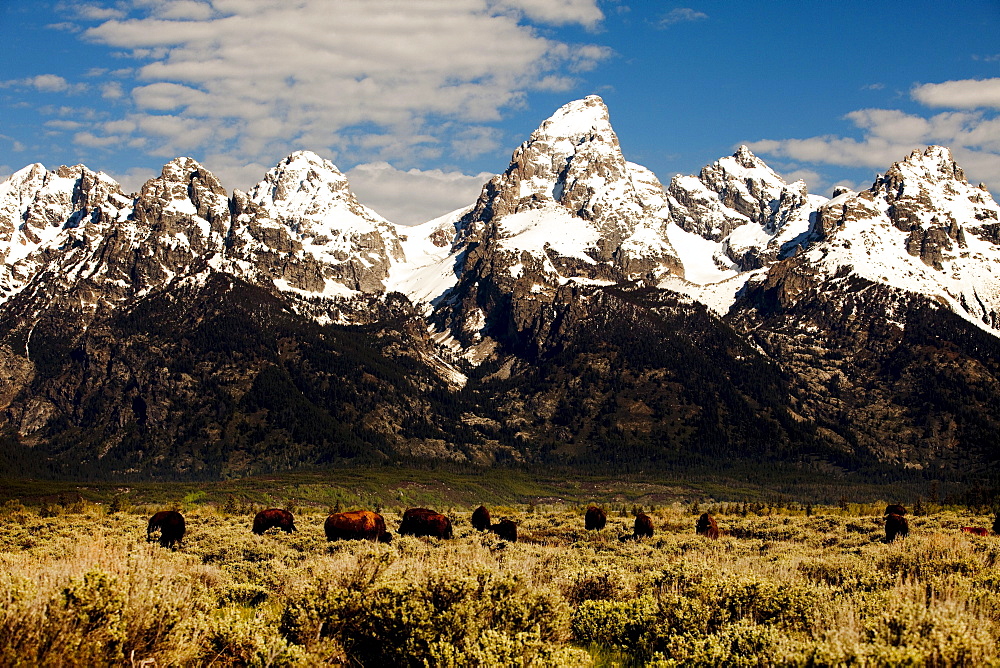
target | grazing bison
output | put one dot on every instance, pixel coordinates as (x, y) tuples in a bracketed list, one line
[(976, 531), (707, 527), (896, 526), (424, 522), (481, 519), (595, 519), (356, 525), (271, 518), (894, 509), (505, 530), (643, 526), (170, 524)]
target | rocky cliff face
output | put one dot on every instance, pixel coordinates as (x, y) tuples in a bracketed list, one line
[(743, 205), (568, 211), (888, 321), (303, 227)]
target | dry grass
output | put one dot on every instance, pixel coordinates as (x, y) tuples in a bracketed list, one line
[(85, 588)]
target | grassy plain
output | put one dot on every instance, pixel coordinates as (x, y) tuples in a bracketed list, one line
[(79, 585)]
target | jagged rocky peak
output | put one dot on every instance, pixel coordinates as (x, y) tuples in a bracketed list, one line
[(303, 229), (40, 209), (732, 191), (34, 199), (570, 192), (187, 201), (571, 159), (925, 196), (921, 229), (309, 192), (740, 203)]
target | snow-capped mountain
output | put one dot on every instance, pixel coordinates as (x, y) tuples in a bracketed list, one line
[(303, 224), (568, 211), (687, 308)]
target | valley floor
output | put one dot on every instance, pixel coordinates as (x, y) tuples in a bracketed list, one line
[(81, 586)]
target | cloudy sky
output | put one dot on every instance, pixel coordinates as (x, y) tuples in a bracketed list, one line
[(419, 101)]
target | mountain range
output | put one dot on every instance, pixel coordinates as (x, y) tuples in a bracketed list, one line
[(578, 313)]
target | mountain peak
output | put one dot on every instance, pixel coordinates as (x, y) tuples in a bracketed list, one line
[(934, 162), (745, 157), (583, 117)]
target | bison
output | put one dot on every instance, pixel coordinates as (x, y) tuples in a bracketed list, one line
[(896, 526), (356, 525), (976, 531), (505, 530), (170, 524), (643, 526), (271, 518), (706, 526), (894, 509), (481, 519), (424, 522), (996, 524), (595, 519)]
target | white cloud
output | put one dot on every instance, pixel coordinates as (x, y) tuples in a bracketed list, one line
[(131, 181), (557, 12), (59, 124), (256, 79), (681, 15), (112, 90), (963, 94), (888, 135), (91, 140), (45, 83), (413, 196)]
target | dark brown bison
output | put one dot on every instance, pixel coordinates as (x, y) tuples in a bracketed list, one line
[(505, 530), (996, 524), (706, 526), (976, 531), (896, 526), (894, 509), (271, 518), (356, 525), (424, 522), (643, 527), (170, 524), (595, 519), (481, 519)]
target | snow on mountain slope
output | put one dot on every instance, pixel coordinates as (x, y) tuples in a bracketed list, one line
[(43, 211), (587, 203), (745, 207), (921, 228), (302, 227), (431, 254)]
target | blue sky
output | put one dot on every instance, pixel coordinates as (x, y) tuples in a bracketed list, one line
[(418, 101)]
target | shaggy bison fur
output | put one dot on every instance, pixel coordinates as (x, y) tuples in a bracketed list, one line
[(976, 531), (271, 518), (356, 525), (170, 524), (505, 530), (894, 509), (896, 526), (595, 519), (643, 527), (707, 527), (424, 522), (481, 519)]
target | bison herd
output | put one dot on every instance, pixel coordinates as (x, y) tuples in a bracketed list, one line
[(368, 525)]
